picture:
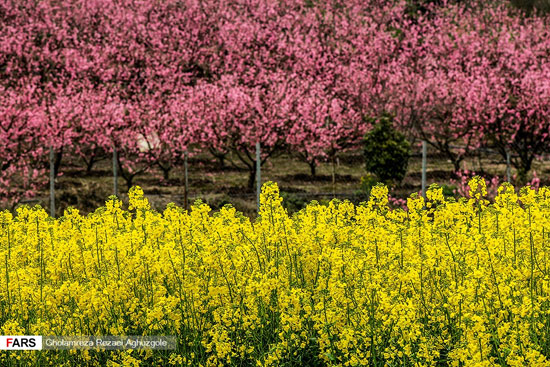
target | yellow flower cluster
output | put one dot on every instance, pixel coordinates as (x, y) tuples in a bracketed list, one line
[(445, 283)]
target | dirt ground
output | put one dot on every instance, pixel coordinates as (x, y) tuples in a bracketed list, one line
[(219, 186)]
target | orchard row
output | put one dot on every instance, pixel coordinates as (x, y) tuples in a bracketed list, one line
[(159, 79)]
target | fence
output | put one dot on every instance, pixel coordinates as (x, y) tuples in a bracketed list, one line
[(258, 176)]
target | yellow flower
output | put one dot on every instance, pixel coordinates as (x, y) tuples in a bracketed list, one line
[(462, 280)]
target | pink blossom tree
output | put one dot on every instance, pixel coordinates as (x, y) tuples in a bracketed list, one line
[(519, 118), (21, 168), (157, 80)]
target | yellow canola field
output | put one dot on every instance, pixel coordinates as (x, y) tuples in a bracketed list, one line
[(445, 283)]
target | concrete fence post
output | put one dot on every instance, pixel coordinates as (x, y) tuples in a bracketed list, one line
[(508, 170), (115, 172), (52, 182), (258, 175), (424, 163), (185, 182)]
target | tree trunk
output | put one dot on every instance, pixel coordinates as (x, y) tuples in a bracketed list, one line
[(94, 157), (165, 171), (313, 168), (57, 162), (333, 176), (251, 178), (221, 161), (220, 157), (127, 176), (89, 164), (457, 163), (129, 181), (456, 159), (523, 167)]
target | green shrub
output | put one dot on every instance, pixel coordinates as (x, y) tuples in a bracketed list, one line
[(367, 183), (386, 151), (293, 202), (448, 190), (540, 6)]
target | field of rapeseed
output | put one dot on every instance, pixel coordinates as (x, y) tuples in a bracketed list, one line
[(445, 283)]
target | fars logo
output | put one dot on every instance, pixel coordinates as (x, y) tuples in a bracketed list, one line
[(20, 342)]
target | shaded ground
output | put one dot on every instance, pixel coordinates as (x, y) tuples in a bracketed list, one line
[(219, 186)]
